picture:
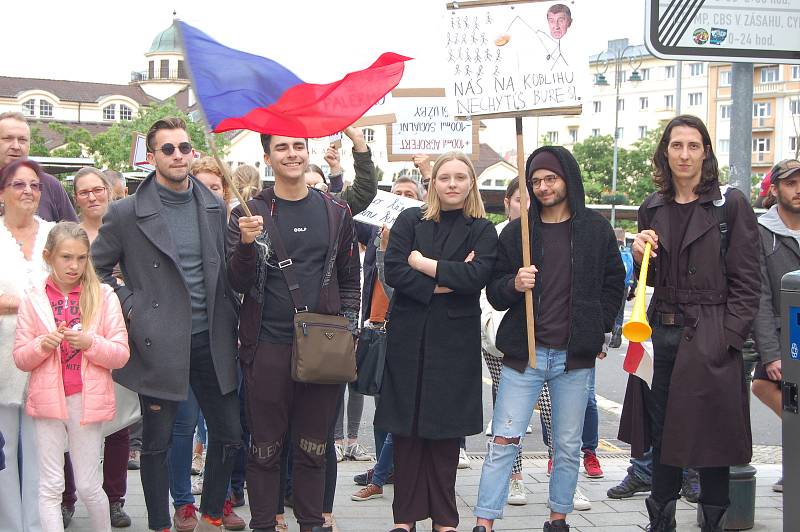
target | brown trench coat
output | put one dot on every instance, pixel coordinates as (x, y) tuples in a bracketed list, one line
[(707, 421)]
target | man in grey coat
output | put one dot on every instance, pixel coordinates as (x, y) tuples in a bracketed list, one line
[(779, 229), (169, 242)]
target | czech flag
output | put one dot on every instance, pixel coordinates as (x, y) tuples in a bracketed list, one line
[(237, 90), (639, 361)]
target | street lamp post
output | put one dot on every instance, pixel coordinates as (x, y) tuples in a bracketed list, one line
[(616, 55)]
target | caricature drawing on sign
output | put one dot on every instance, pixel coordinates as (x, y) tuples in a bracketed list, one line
[(559, 19)]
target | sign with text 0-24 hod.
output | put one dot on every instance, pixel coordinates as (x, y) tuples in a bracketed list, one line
[(515, 58), (746, 31)]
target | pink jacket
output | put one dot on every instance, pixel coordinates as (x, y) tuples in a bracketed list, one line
[(109, 351)]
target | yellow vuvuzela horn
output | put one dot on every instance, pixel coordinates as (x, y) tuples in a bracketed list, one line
[(637, 329)]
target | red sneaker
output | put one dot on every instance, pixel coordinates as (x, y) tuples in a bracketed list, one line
[(592, 465), (549, 466), (230, 520), (185, 518)]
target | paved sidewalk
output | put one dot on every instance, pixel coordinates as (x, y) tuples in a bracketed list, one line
[(606, 515)]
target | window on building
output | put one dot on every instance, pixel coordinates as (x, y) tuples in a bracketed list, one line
[(595, 132), (724, 146), (125, 112), (762, 109), (795, 71), (696, 69), (642, 132), (620, 104), (761, 144), (598, 106), (725, 111), (770, 74), (164, 74), (29, 108), (110, 112), (794, 106), (644, 73), (793, 145), (644, 103), (181, 70), (151, 70), (669, 71), (573, 135), (620, 132), (725, 77), (695, 98), (669, 101), (552, 137), (369, 134), (45, 108)]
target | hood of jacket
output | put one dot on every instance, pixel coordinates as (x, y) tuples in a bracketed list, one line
[(575, 192)]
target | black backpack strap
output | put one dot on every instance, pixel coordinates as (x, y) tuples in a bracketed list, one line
[(285, 263), (721, 214)]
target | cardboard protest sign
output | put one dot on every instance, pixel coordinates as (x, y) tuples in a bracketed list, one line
[(380, 113), (513, 59), (424, 125), (385, 209)]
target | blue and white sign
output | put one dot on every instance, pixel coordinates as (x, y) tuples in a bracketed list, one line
[(794, 332)]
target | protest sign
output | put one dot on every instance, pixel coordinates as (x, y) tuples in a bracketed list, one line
[(515, 59), (385, 209), (424, 125), (139, 153), (379, 114)]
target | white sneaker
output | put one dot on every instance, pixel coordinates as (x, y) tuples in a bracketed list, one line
[(463, 459), (580, 502), (516, 493), (356, 451), (489, 428), (529, 430), (339, 452)]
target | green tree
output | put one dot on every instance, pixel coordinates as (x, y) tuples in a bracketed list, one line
[(37, 145), (76, 140), (112, 148), (595, 155), (636, 167)]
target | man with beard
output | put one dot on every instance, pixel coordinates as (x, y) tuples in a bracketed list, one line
[(779, 229), (168, 239)]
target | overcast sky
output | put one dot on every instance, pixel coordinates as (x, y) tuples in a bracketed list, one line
[(320, 40)]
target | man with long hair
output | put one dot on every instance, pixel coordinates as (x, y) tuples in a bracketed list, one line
[(704, 268)]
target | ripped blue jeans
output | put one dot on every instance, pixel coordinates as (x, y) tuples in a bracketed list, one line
[(516, 397)]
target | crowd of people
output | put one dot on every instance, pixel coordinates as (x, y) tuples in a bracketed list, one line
[(196, 302)]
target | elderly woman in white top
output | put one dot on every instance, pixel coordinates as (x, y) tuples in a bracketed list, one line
[(22, 239)]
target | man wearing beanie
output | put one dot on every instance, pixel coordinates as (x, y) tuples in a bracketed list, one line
[(577, 279)]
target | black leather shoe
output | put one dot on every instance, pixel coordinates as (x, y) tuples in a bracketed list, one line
[(662, 517), (480, 529), (558, 525), (713, 518)]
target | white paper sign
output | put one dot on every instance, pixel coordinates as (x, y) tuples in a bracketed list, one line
[(385, 209), (515, 58)]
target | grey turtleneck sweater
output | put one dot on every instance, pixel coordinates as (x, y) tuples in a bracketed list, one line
[(180, 213)]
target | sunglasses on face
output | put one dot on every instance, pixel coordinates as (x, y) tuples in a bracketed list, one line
[(97, 191), (169, 148), (20, 186)]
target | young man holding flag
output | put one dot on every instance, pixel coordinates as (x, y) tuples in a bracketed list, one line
[(318, 234), (705, 272)]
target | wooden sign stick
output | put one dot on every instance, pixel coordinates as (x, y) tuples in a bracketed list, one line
[(526, 242), (226, 174)]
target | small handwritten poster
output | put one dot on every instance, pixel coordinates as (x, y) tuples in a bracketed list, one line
[(385, 209)]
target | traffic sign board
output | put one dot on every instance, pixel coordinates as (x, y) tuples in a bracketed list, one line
[(763, 31)]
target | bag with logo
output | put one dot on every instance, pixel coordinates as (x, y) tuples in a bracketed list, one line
[(323, 348)]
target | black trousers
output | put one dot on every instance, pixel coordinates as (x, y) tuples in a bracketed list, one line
[(425, 480), (224, 439), (666, 478)]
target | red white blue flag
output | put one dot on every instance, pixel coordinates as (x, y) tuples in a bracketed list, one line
[(238, 90)]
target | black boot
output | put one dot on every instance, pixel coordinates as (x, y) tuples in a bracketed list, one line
[(662, 517), (713, 518), (481, 529), (558, 525)]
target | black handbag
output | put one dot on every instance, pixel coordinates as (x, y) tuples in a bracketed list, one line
[(370, 361), (323, 349)]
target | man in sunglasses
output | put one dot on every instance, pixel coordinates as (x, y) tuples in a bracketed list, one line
[(169, 241), (15, 143)]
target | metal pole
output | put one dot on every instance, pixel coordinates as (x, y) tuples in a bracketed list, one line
[(741, 147), (617, 83), (679, 76)]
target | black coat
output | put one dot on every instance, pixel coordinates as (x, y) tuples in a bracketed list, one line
[(434, 341), (596, 287)]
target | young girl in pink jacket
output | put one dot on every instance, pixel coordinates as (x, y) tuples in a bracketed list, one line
[(70, 335)]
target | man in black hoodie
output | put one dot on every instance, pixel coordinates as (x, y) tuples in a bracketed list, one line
[(576, 298)]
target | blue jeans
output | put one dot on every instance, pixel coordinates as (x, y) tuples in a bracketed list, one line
[(642, 467), (516, 398), (385, 462), (179, 457), (591, 420)]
